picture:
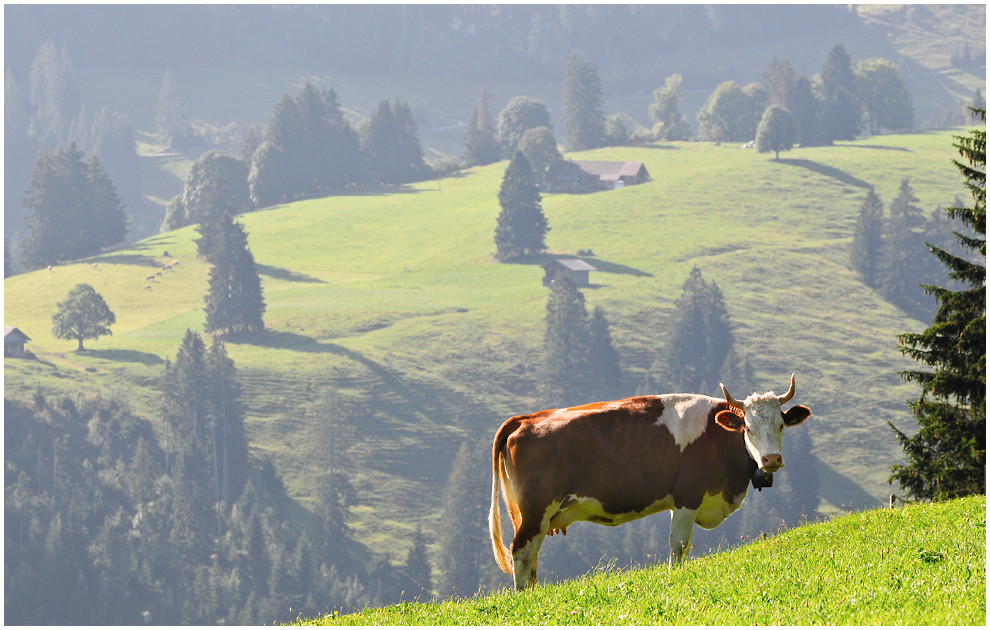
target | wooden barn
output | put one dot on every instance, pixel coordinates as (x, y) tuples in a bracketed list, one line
[(574, 176), (573, 269), (13, 342)]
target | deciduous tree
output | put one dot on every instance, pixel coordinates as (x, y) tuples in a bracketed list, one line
[(776, 131), (522, 113), (665, 110), (83, 314), (883, 95)]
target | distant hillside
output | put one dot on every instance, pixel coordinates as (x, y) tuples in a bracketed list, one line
[(390, 305)]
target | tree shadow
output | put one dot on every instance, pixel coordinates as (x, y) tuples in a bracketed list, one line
[(125, 356), (280, 273), (878, 147), (603, 266), (827, 171)]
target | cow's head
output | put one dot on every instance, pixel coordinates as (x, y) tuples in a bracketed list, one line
[(763, 423)]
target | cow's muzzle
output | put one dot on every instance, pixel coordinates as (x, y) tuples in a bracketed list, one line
[(772, 463)]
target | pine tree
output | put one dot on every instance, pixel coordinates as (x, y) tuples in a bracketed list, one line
[(235, 304), (604, 370), (482, 140), (841, 116), (565, 379), (903, 269), (521, 227), (584, 120), (463, 510), (946, 458), (55, 97), (700, 337), (867, 245), (417, 570), (171, 118)]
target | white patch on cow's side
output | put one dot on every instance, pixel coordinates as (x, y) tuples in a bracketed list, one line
[(686, 417)]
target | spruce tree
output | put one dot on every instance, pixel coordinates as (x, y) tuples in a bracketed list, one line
[(946, 457), (700, 337), (867, 245), (417, 570), (841, 115), (604, 370), (463, 511), (566, 379), (235, 304), (584, 119), (903, 269), (482, 140), (521, 227)]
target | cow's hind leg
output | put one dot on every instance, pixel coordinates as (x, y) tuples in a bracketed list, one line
[(681, 532), (525, 550)]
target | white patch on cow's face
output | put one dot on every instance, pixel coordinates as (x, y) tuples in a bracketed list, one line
[(764, 430), (686, 417)]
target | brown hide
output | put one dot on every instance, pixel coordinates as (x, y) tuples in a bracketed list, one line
[(617, 453)]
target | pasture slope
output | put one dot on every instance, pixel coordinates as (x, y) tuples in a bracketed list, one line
[(387, 312), (922, 564)]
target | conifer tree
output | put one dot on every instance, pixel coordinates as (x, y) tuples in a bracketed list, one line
[(417, 570), (700, 337), (482, 139), (566, 379), (584, 119), (463, 512), (841, 115), (903, 269), (521, 227), (235, 304), (604, 370), (946, 457), (867, 244)]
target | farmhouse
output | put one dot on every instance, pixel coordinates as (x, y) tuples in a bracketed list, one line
[(572, 176), (573, 269), (13, 342)]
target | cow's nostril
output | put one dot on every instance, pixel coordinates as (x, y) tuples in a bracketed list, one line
[(772, 461)]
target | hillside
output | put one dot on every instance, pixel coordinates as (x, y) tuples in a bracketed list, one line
[(387, 309), (917, 565)]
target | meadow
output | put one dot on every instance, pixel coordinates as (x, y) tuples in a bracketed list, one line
[(921, 564), (386, 308)]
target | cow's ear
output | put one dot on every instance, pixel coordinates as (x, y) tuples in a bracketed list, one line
[(796, 415), (730, 420)]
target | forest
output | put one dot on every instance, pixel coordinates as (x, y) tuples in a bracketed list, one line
[(171, 513)]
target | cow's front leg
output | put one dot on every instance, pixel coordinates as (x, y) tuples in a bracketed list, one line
[(681, 531)]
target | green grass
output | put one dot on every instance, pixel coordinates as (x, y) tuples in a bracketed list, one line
[(393, 300), (916, 565)]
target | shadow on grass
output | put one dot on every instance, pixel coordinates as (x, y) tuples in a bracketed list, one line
[(878, 147), (603, 266), (827, 171), (280, 273), (125, 356)]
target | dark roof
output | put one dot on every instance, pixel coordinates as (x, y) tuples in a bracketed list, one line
[(611, 171)]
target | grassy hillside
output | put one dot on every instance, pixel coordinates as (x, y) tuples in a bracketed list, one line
[(387, 310), (917, 565)]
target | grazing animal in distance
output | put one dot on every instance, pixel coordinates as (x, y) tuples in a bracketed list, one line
[(614, 462)]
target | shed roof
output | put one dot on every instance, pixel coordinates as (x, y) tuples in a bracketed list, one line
[(574, 264), (611, 170), (11, 333)]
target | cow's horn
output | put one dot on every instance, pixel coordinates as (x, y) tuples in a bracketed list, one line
[(728, 397), (789, 394)]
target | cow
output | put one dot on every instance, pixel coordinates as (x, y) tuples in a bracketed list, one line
[(614, 462)]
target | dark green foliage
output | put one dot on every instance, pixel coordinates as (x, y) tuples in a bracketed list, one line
[(603, 360), (235, 304), (841, 111), (731, 113), (463, 513), (521, 227), (665, 110), (83, 314), (584, 120), (776, 132), (522, 113), (566, 377), (700, 336), (540, 148), (417, 571), (216, 184), (883, 95), (867, 244), (807, 110), (74, 208), (946, 457), (390, 145), (482, 139), (171, 118), (904, 266), (308, 149)]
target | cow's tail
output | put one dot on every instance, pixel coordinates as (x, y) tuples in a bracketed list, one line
[(502, 555)]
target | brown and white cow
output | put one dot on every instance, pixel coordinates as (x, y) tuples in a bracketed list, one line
[(614, 462)]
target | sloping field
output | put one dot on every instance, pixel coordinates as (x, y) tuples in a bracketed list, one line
[(387, 312)]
